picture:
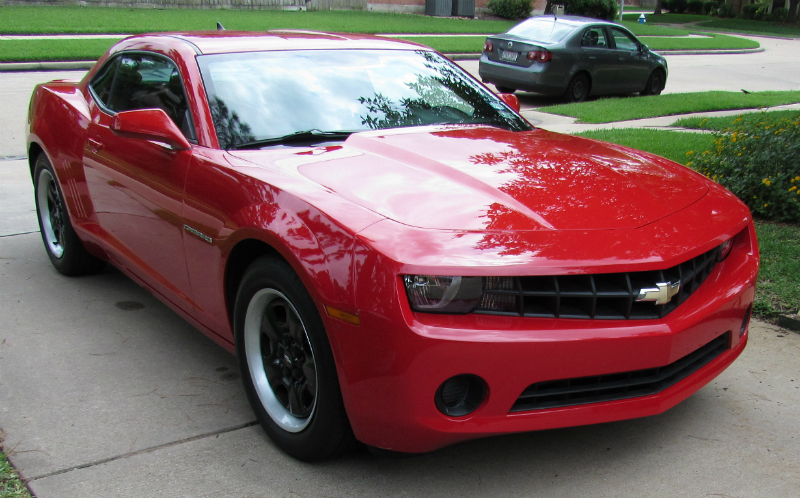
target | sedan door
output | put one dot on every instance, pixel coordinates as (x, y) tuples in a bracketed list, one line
[(633, 67), (601, 58), (137, 186)]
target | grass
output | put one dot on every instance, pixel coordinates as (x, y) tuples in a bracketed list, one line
[(668, 18), (65, 20), (748, 26), (652, 30), (777, 290), (474, 44), (670, 144), (623, 109), (10, 484), (53, 50), (723, 123)]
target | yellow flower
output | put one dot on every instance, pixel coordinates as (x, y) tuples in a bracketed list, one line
[(767, 204), (766, 182), (793, 188), (690, 153)]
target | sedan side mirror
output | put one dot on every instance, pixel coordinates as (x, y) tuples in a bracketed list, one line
[(511, 100), (149, 124)]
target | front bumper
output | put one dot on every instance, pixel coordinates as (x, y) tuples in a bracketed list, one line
[(391, 366)]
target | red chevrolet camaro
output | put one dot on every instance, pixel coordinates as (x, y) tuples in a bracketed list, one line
[(394, 254)]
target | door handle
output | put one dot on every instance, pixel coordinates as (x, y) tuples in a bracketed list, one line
[(95, 145)]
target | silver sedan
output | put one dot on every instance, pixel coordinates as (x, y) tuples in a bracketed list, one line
[(574, 57)]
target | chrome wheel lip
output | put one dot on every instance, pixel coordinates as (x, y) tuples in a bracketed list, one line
[(44, 182), (255, 361)]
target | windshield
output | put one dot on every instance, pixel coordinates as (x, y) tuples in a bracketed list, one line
[(266, 95), (544, 30)]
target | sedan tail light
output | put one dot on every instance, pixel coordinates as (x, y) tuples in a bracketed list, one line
[(488, 46), (540, 55)]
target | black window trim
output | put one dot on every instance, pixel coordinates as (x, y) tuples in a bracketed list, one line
[(113, 60)]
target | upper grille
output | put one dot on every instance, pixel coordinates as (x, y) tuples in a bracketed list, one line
[(569, 392), (610, 296)]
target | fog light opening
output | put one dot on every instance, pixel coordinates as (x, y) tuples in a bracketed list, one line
[(460, 395), (746, 320)]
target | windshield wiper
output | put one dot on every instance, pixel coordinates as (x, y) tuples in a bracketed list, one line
[(314, 135)]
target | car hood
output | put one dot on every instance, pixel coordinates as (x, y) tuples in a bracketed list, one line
[(483, 178)]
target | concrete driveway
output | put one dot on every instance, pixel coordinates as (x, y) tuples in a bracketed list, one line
[(104, 392)]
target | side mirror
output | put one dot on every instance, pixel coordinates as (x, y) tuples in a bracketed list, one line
[(149, 124), (511, 100)]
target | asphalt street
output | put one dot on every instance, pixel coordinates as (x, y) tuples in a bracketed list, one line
[(105, 392)]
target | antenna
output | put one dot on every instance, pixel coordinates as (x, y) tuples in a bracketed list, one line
[(220, 27)]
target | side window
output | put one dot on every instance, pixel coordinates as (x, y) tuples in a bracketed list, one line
[(144, 81), (594, 37), (623, 40), (102, 81)]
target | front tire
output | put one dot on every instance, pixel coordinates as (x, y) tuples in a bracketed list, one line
[(655, 83), (287, 364), (64, 248)]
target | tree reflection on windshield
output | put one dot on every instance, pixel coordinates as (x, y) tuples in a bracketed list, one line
[(230, 130)]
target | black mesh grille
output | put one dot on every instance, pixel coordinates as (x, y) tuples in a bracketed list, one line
[(568, 392), (609, 296)]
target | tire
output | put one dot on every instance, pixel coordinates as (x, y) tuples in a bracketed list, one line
[(64, 248), (578, 88), (655, 83), (287, 364), (505, 89)]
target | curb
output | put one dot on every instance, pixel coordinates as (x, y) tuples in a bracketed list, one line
[(46, 66), (711, 52)]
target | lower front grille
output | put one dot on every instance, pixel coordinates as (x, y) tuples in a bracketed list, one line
[(580, 391)]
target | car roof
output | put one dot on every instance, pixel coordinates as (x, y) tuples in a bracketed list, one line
[(572, 20), (224, 41)]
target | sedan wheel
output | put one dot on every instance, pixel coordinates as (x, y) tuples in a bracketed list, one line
[(578, 88), (64, 248), (655, 83), (287, 364)]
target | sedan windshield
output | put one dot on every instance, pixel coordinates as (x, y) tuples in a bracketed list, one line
[(266, 96), (542, 30)]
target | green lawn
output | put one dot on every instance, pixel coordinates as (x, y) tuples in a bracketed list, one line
[(623, 109), (667, 18), (777, 290), (723, 123), (53, 50), (652, 30), (10, 484), (746, 26), (670, 144), (715, 41), (52, 20)]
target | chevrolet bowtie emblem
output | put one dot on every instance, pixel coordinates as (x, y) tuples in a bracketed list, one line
[(662, 294)]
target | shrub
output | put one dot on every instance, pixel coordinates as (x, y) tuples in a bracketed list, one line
[(710, 7), (511, 9), (695, 6), (725, 10), (750, 11), (760, 164), (779, 14), (598, 9), (677, 6)]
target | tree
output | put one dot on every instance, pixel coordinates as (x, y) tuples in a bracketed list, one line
[(792, 17), (659, 6)]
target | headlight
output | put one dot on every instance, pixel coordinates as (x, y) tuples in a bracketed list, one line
[(460, 295), (725, 249), (435, 294)]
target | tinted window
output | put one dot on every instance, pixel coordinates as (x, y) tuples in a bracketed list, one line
[(256, 96), (594, 37), (623, 40), (101, 83), (144, 81), (543, 30)]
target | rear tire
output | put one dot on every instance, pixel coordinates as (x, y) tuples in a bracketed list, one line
[(287, 365), (505, 89), (578, 88), (64, 248), (655, 83)]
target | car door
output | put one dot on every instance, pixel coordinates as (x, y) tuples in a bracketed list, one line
[(632, 64), (137, 186), (600, 57)]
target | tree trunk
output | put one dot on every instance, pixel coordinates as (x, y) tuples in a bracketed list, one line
[(548, 9), (792, 10), (657, 10)]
